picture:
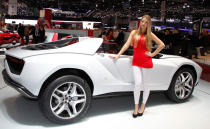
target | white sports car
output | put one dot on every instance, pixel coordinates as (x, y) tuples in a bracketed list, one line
[(64, 75)]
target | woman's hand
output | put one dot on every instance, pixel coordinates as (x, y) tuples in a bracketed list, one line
[(114, 57), (149, 54)]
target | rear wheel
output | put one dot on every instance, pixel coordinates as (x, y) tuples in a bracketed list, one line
[(182, 85), (66, 99)]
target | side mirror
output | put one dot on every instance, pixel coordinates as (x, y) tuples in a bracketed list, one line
[(157, 56)]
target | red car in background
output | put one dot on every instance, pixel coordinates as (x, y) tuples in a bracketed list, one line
[(7, 38)]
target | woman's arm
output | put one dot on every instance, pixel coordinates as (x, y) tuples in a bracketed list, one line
[(160, 44), (127, 44)]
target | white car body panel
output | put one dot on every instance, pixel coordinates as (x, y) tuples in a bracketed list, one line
[(106, 74), (86, 45)]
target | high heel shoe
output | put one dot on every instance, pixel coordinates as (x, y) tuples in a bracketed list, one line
[(140, 114), (135, 115)]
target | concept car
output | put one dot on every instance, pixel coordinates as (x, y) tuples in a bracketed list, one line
[(64, 75)]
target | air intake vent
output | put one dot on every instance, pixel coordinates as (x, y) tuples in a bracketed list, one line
[(15, 64)]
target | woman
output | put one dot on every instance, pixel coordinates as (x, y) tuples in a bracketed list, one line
[(27, 32), (41, 33), (141, 40)]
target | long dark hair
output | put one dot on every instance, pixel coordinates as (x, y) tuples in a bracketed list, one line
[(147, 34)]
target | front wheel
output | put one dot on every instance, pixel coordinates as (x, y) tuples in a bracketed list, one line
[(66, 99), (182, 85)]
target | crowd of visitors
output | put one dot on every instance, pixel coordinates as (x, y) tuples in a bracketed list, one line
[(177, 42), (184, 43), (116, 35), (37, 32)]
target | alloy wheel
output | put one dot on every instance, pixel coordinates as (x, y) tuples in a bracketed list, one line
[(184, 85), (68, 100)]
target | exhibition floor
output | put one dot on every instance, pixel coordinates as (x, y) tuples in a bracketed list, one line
[(16, 112)]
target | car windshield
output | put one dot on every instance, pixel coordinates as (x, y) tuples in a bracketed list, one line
[(113, 48), (52, 45)]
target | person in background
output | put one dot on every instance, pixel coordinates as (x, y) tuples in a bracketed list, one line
[(104, 34), (5, 28), (204, 41), (1, 25), (27, 32), (41, 33), (110, 34), (35, 34), (120, 38), (167, 37), (115, 34), (141, 40), (176, 41), (20, 31)]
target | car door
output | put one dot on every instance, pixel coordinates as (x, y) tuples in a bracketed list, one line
[(124, 67), (159, 77), (120, 69)]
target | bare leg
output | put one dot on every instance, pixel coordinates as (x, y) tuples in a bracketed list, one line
[(136, 109), (141, 109)]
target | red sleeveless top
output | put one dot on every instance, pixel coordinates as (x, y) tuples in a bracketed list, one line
[(139, 57)]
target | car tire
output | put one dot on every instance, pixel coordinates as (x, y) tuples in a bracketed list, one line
[(66, 99), (182, 85)]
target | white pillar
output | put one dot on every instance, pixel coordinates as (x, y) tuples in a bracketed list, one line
[(163, 9), (12, 7)]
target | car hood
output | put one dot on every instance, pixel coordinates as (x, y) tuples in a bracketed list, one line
[(174, 58), (178, 60), (165, 56), (85, 45)]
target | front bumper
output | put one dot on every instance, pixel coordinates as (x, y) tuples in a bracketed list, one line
[(17, 86)]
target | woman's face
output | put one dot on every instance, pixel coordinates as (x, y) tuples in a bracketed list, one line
[(144, 23)]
